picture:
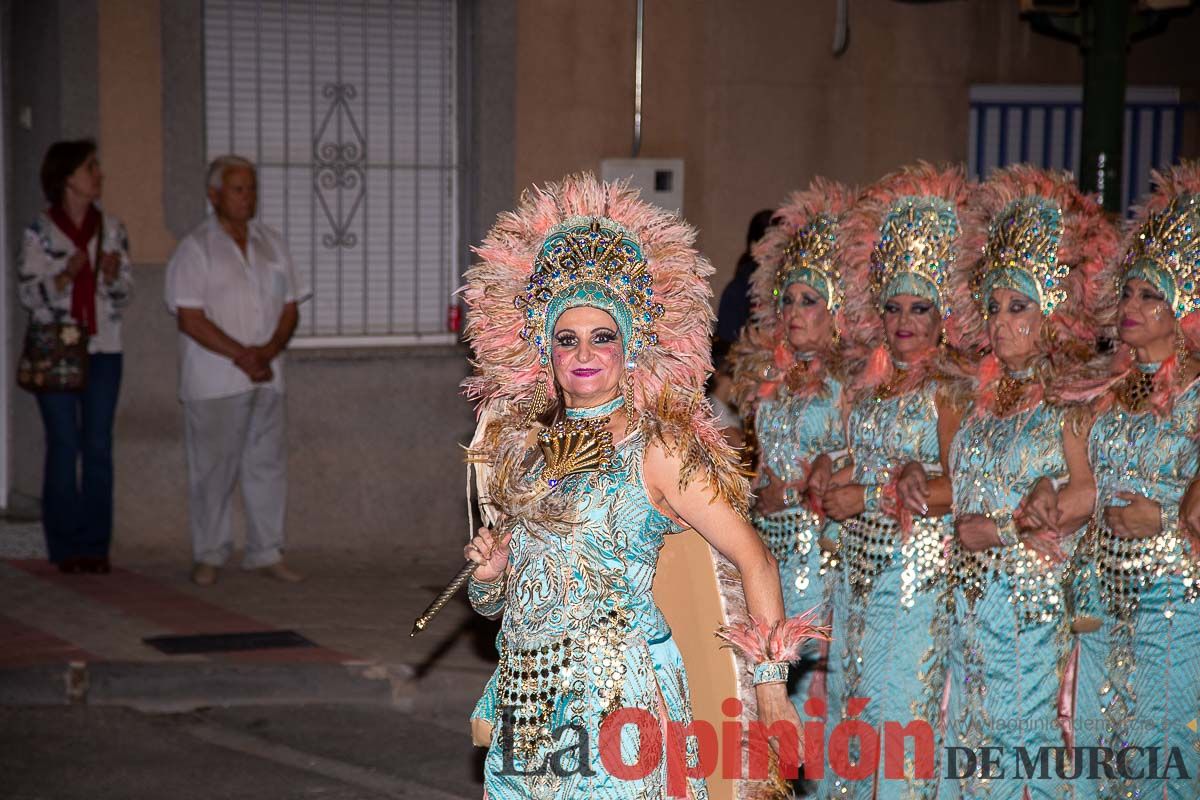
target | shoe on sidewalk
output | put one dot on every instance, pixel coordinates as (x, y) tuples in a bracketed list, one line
[(204, 574), (281, 572)]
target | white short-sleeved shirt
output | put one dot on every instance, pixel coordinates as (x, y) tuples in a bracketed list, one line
[(243, 295)]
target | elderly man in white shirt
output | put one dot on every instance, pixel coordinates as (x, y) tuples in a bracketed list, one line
[(233, 288)]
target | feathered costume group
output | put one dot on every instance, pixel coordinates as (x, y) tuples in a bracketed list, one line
[(1039, 639)]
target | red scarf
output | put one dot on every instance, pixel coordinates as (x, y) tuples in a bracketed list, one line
[(83, 288)]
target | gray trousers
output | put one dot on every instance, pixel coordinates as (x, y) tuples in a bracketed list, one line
[(226, 439)]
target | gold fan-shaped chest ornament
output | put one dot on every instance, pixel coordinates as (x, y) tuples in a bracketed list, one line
[(573, 446)]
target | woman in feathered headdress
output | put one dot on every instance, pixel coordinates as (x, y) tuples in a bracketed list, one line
[(789, 372), (1138, 657), (589, 317), (1033, 288), (907, 229)]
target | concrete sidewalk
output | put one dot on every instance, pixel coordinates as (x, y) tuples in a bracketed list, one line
[(78, 638)]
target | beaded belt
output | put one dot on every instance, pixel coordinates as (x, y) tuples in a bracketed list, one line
[(1035, 589), (870, 543), (1124, 567), (532, 679)]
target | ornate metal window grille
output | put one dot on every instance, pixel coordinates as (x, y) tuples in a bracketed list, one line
[(349, 109)]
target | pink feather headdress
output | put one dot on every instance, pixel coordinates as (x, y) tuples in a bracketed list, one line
[(861, 232), (761, 356), (1083, 240), (669, 371)]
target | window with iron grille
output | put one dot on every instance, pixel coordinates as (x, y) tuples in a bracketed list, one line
[(349, 110)]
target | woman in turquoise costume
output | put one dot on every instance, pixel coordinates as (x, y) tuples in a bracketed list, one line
[(1137, 685), (889, 641), (789, 372), (1033, 289), (589, 318)]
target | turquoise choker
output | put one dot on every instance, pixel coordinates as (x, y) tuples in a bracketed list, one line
[(1150, 367), (596, 412), (1020, 374)]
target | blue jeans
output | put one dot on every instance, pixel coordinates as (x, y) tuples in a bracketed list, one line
[(77, 517)]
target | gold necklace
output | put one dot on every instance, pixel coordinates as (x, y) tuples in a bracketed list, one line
[(1009, 392), (797, 375)]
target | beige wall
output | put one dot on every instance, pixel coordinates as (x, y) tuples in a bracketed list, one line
[(749, 94), (131, 134)]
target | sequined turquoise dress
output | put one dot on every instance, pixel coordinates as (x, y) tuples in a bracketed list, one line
[(1139, 674), (793, 428), (581, 637), (889, 638), (1010, 634)]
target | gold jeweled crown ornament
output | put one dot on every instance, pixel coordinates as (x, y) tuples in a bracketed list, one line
[(915, 247), (590, 261), (809, 258), (1022, 254), (1166, 253)]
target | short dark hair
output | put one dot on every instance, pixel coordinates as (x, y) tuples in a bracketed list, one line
[(62, 159)]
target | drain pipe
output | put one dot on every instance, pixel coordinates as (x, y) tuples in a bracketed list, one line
[(841, 27), (637, 79)]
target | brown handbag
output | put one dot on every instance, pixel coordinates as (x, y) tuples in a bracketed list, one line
[(55, 356)]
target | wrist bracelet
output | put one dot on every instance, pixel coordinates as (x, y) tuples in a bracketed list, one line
[(872, 495), (791, 496), (1168, 515), (1005, 528), (770, 672)]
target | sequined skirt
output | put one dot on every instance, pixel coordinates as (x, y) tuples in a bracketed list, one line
[(1008, 643), (1139, 686), (890, 636)]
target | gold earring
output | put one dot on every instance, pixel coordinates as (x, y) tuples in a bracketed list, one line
[(629, 412), (1181, 352), (537, 404)]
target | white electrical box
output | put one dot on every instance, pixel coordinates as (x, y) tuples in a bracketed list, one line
[(660, 179)]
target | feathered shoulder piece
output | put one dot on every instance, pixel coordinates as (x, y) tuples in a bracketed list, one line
[(802, 245), (586, 242)]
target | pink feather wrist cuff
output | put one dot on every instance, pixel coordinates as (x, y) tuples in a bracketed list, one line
[(777, 643)]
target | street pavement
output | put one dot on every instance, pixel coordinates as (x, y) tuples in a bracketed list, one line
[(281, 752), (88, 709)]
